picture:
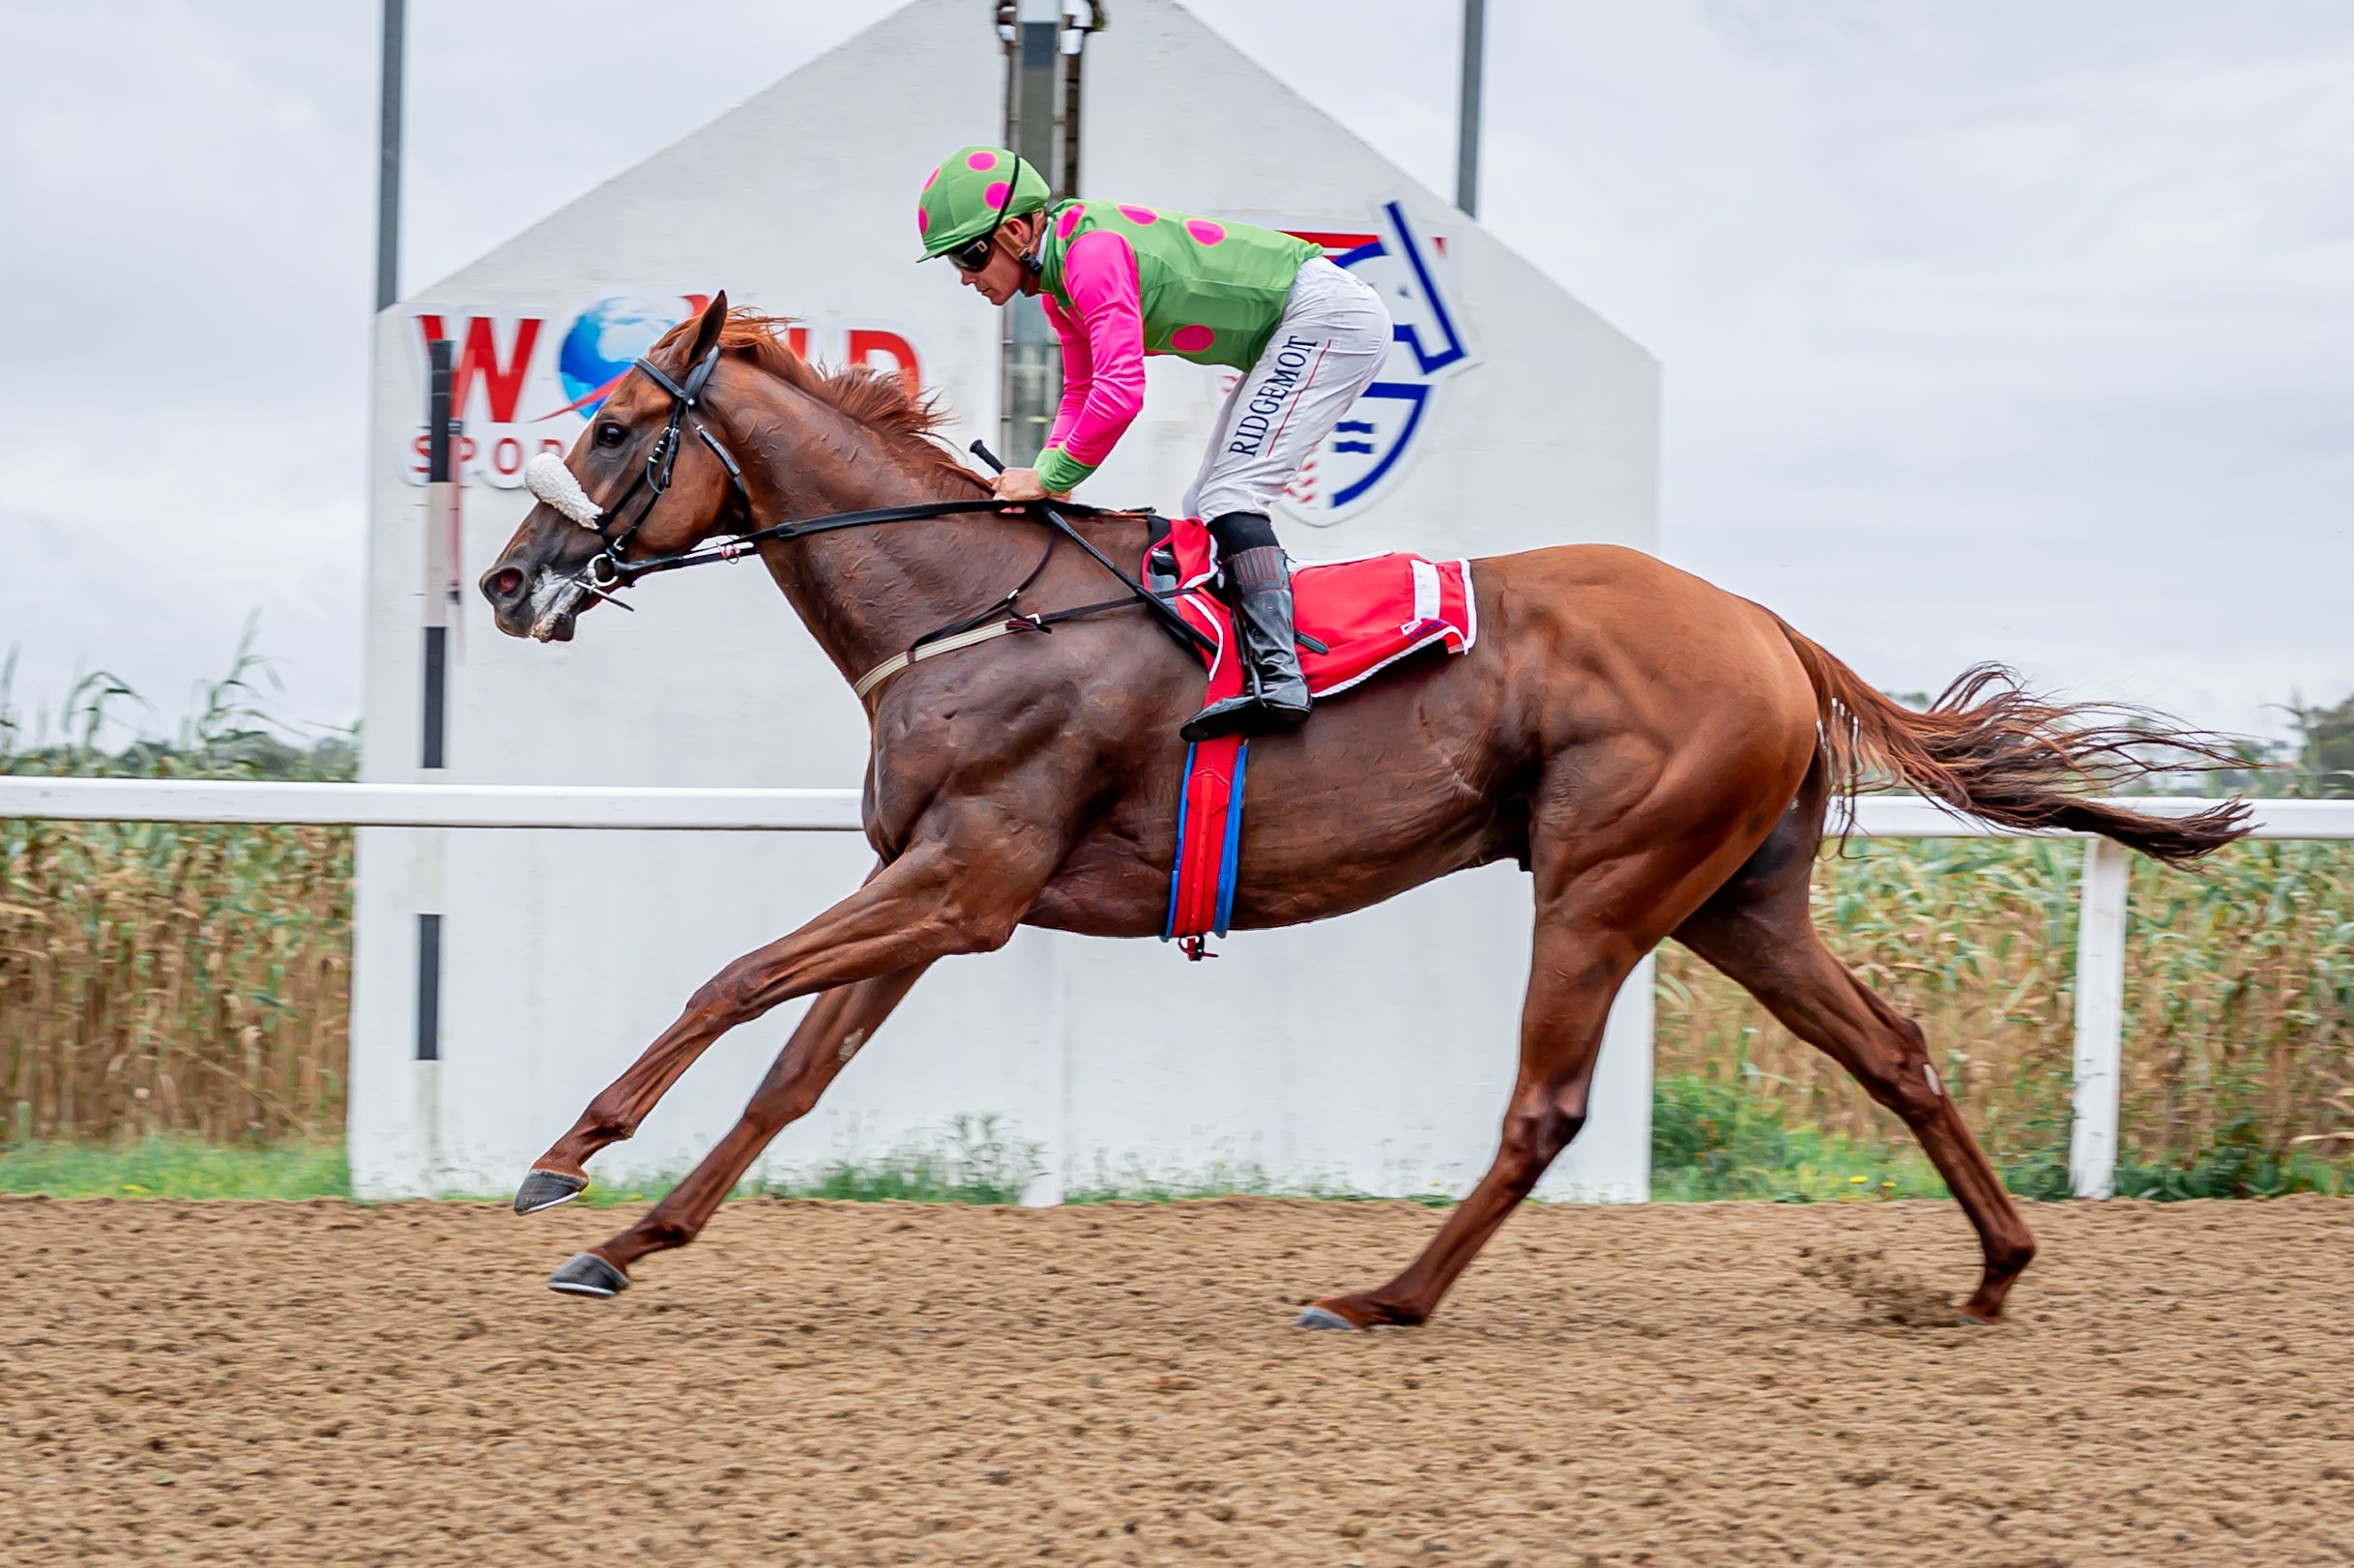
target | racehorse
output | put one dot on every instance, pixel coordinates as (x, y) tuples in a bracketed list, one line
[(1657, 754)]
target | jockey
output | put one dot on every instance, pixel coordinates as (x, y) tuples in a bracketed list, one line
[(1122, 281)]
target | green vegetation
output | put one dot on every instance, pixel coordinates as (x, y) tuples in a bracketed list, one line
[(976, 1162), (156, 978), (174, 1168), (973, 1162), (2322, 760), (1709, 1141), (1712, 1138), (2240, 1029)]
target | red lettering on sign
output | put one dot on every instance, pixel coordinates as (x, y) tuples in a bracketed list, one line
[(478, 360), (867, 342)]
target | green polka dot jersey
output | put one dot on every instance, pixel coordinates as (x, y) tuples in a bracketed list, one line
[(1211, 292)]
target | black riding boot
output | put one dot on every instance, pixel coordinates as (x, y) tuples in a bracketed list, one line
[(1257, 586)]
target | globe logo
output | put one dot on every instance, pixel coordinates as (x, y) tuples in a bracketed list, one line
[(604, 341)]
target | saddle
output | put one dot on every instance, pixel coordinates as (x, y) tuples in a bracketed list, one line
[(1355, 618)]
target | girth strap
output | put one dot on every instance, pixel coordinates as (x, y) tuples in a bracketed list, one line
[(933, 649), (935, 644)]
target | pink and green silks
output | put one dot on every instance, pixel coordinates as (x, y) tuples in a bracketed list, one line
[(1122, 281)]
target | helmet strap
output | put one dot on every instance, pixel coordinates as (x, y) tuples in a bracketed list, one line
[(1028, 251)]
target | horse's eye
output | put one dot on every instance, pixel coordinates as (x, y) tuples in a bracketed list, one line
[(609, 434)]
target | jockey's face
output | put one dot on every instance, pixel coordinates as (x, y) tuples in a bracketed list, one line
[(1005, 277)]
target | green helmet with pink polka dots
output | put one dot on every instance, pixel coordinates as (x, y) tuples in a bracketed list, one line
[(968, 194)]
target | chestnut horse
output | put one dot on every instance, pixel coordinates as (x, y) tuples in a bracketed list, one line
[(1657, 754)]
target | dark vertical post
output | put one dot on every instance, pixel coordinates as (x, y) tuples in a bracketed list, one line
[(1466, 132), (440, 354), (438, 444), (388, 160), (1068, 182), (1036, 54), (428, 988), (437, 687), (1033, 380), (441, 442)]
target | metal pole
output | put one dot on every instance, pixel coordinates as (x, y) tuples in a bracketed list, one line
[(1467, 130), (441, 440), (388, 160), (1033, 377), (441, 495)]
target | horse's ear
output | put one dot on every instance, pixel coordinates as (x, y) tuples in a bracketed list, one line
[(706, 329)]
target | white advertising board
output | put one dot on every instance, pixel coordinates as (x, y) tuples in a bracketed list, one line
[(1509, 416)]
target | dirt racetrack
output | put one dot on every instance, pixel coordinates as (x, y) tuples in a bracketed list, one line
[(833, 1383)]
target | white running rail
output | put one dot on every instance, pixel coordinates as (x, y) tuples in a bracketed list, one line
[(430, 805), (2099, 1020)]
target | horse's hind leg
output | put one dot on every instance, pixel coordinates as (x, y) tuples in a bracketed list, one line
[(1759, 931), (1577, 973), (1600, 906), (837, 1025)]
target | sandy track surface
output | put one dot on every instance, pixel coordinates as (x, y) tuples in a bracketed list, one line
[(833, 1383)]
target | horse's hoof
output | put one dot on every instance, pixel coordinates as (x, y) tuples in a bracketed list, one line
[(545, 1189), (1314, 1317), (587, 1274), (1970, 1320)]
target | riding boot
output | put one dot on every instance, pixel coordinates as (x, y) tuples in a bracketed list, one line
[(1257, 586)]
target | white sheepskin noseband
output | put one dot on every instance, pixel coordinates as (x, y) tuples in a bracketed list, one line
[(547, 478)]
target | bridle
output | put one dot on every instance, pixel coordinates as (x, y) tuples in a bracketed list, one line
[(607, 565), (608, 569)]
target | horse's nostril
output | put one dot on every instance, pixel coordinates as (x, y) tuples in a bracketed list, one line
[(507, 583)]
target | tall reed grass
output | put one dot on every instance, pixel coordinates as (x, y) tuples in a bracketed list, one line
[(2239, 997), (156, 978)]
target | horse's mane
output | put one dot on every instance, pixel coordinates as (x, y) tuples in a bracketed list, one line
[(875, 399)]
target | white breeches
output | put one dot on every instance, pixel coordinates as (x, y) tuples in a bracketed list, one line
[(1333, 339)]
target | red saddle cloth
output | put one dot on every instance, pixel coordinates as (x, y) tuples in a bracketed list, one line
[(1367, 613)]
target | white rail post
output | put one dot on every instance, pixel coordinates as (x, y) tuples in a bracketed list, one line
[(2092, 1143), (1046, 1073)]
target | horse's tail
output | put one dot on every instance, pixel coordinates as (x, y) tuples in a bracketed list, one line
[(1989, 749)]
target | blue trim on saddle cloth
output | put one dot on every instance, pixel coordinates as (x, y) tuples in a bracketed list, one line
[(1176, 872), (1234, 842)]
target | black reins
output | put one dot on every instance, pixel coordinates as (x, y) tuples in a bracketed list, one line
[(608, 569)]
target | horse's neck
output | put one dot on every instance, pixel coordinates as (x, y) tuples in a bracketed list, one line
[(866, 594)]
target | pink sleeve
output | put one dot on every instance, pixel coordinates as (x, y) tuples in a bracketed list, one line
[(1077, 369), (1107, 351)]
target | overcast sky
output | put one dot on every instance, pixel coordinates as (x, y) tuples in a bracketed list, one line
[(2020, 329)]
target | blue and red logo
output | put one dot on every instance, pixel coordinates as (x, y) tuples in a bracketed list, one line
[(605, 340), (1373, 446)]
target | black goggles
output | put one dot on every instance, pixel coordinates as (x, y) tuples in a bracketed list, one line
[(974, 254)]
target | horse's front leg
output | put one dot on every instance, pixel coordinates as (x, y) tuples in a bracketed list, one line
[(945, 895), (561, 1172), (961, 887), (838, 1024)]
